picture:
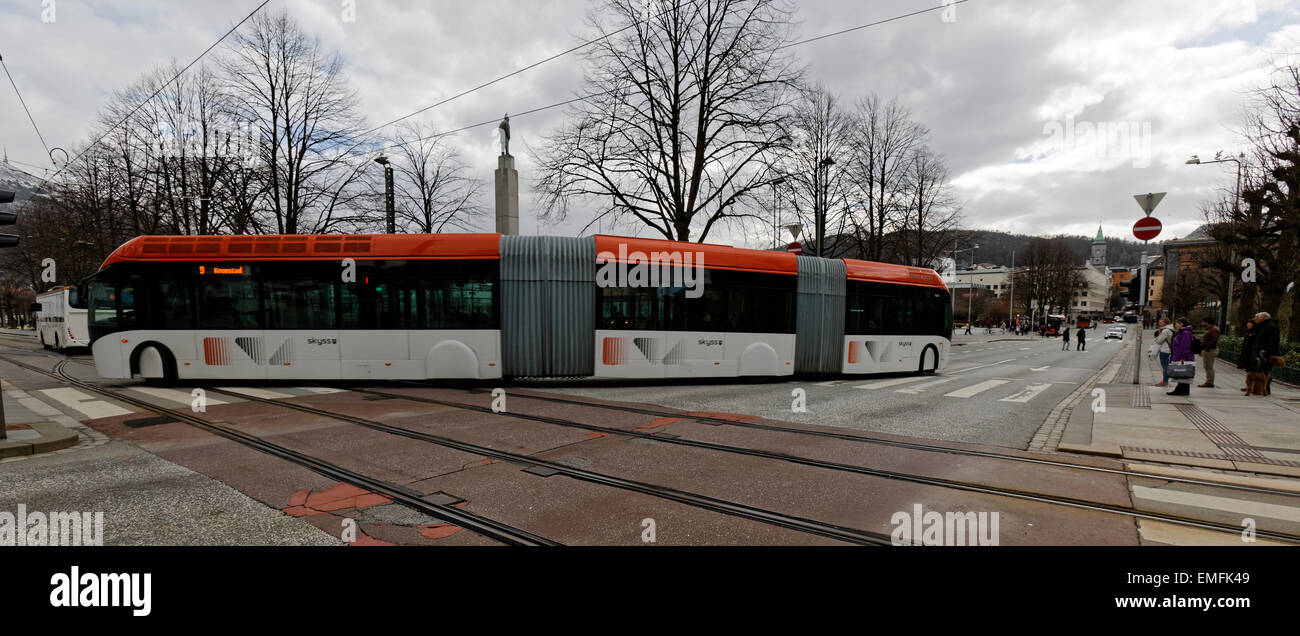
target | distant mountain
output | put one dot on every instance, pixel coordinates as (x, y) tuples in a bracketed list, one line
[(995, 247), (11, 178)]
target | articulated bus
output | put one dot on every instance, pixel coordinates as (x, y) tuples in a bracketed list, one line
[(61, 319), (435, 306)]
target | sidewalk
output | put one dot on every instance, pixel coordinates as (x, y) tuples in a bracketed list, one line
[(1217, 427), (33, 426)]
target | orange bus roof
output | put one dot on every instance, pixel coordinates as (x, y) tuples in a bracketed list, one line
[(475, 246), (896, 274), (307, 247), (715, 256)]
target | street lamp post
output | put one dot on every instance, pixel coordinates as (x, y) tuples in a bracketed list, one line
[(389, 208), (819, 214), (1236, 208)]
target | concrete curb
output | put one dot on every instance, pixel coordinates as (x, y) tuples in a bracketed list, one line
[(51, 437)]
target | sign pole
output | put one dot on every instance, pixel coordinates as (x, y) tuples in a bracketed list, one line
[(1142, 299), (1146, 229)]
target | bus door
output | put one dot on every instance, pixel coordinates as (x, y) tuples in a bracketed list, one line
[(230, 339)]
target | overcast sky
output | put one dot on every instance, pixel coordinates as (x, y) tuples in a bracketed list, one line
[(1010, 89)]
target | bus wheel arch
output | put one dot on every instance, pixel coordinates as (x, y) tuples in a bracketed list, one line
[(929, 352), (154, 362)]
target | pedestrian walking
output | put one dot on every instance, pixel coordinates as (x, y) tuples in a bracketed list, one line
[(1181, 351), (1268, 338), (1209, 351), (968, 327), (1083, 340), (1164, 336), (1065, 340)]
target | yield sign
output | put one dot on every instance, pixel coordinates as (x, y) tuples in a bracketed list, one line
[(1147, 228), (1149, 201)]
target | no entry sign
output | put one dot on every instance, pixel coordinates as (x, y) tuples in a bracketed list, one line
[(794, 247), (1146, 228)]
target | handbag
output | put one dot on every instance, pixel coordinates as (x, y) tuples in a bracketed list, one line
[(1182, 370), (1196, 347), (1153, 351)]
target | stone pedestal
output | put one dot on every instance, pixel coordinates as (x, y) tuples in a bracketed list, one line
[(507, 195)]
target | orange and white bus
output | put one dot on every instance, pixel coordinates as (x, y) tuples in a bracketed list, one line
[(433, 306)]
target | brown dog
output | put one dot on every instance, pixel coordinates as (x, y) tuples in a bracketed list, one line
[(1257, 381)]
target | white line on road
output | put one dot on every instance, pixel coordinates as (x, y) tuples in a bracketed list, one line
[(975, 389), (888, 383), (258, 393), (87, 404), (1026, 394), (174, 395), (830, 383), (920, 388), (1042, 368), (982, 366)]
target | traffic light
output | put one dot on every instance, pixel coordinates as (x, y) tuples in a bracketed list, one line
[(7, 218)]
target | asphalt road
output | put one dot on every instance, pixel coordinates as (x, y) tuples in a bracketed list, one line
[(993, 392)]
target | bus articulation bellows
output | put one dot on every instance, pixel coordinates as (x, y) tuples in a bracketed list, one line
[(444, 306)]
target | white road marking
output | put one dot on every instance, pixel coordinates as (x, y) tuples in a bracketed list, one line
[(325, 390), (888, 383), (258, 393), (831, 383), (1226, 504), (175, 395), (1024, 348), (1042, 368), (86, 404), (975, 389), (921, 388), (1026, 394), (982, 366)]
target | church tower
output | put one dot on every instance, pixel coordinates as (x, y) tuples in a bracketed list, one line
[(1098, 258)]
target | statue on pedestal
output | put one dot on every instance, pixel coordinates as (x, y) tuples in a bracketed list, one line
[(505, 136)]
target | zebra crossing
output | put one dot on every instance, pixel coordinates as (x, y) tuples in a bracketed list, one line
[(917, 385)]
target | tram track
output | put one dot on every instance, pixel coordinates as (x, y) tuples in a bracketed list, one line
[(767, 516), (851, 437), (850, 468), (478, 524), (833, 531)]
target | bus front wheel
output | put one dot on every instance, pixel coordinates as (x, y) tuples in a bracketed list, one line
[(929, 354), (156, 365)]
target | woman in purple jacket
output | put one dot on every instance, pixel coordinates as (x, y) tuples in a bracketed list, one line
[(1181, 351)]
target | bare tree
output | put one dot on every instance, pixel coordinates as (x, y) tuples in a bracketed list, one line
[(821, 131), (927, 224), (281, 79), (1047, 276), (887, 137), (686, 98), (431, 188)]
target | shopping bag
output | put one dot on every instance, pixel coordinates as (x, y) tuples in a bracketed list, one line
[(1182, 370)]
